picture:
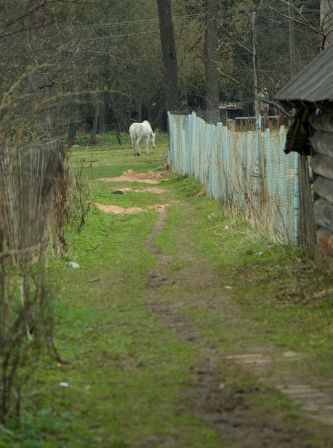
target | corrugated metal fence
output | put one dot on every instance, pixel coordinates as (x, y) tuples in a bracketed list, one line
[(246, 170)]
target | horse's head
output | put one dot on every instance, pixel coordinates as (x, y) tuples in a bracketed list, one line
[(152, 139)]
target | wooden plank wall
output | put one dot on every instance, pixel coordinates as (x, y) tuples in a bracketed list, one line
[(322, 166)]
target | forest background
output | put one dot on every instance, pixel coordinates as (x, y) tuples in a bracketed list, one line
[(97, 65)]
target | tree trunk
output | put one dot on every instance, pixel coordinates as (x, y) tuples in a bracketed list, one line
[(93, 135), (212, 89), (139, 111), (71, 139), (101, 121), (169, 54), (292, 41), (118, 129), (73, 125)]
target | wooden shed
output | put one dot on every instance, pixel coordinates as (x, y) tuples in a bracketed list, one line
[(310, 95)]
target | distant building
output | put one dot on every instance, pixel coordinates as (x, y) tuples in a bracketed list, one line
[(231, 110)]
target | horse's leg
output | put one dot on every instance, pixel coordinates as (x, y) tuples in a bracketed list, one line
[(134, 147), (147, 144), (133, 144), (138, 146)]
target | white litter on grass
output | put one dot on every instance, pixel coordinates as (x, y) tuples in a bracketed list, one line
[(74, 265), (291, 354), (64, 384), (228, 287)]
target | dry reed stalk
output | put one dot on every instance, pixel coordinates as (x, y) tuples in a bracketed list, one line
[(32, 179)]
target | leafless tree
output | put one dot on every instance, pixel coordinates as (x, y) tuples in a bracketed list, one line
[(211, 47), (169, 54)]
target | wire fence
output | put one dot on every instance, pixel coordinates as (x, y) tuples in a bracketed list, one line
[(245, 170)]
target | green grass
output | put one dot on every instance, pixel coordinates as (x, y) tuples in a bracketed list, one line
[(275, 284), (125, 370), (128, 374), (109, 140)]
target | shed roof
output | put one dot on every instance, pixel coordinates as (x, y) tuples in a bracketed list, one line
[(313, 83)]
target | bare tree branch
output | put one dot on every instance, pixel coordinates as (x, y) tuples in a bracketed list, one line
[(27, 14), (303, 22), (232, 78)]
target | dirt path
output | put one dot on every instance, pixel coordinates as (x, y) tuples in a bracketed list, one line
[(213, 398), (229, 383)]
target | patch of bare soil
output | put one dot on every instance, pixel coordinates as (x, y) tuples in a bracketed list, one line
[(128, 176), (117, 210), (226, 409), (150, 177), (154, 190)]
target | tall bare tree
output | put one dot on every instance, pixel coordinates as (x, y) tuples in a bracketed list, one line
[(211, 45), (169, 54)]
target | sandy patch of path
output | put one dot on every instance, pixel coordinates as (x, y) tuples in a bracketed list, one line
[(154, 190), (115, 209), (150, 177)]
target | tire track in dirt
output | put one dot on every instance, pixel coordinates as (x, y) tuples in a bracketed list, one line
[(226, 410)]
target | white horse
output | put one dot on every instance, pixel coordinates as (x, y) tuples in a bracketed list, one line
[(137, 132)]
